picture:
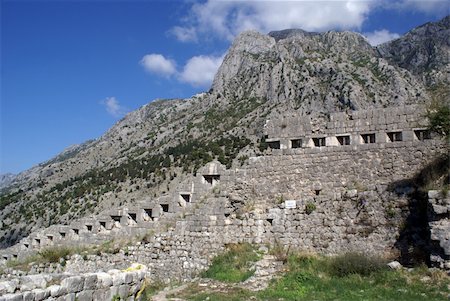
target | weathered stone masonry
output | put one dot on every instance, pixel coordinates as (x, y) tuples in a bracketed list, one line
[(99, 286), (347, 189)]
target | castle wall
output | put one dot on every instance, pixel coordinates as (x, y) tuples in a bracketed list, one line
[(99, 286), (327, 198), (357, 212), (439, 223)]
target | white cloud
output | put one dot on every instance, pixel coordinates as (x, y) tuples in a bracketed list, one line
[(380, 36), (184, 34), (226, 19), (157, 63), (113, 107), (199, 71)]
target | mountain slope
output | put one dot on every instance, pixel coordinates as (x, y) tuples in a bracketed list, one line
[(424, 51), (262, 77)]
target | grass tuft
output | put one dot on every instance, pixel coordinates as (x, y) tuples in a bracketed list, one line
[(355, 263), (55, 254), (235, 265)]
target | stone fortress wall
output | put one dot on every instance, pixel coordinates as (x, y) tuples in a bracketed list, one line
[(314, 194), (100, 286)]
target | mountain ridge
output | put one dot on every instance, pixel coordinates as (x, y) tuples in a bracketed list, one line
[(151, 149)]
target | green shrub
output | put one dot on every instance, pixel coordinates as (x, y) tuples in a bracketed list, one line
[(54, 254), (439, 117), (149, 289), (235, 265), (355, 263), (310, 207), (280, 252)]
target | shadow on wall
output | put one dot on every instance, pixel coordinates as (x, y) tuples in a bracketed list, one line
[(414, 241)]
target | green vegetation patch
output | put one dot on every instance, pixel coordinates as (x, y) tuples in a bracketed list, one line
[(196, 153), (47, 255), (55, 254), (150, 289), (235, 265), (349, 277), (355, 264), (439, 117)]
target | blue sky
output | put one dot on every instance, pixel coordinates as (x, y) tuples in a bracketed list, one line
[(71, 69)]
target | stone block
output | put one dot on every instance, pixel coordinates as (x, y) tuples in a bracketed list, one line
[(395, 265), (438, 209), (124, 291), (434, 194), (73, 284), (12, 297), (102, 294), (86, 295), (33, 281), (104, 280), (41, 294), (90, 281), (57, 290), (8, 287), (28, 296)]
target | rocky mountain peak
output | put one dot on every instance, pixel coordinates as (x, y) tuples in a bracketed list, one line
[(424, 51), (313, 72), (288, 72), (287, 33)]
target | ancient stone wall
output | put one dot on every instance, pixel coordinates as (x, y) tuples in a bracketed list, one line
[(327, 198), (375, 126), (98, 286), (439, 222)]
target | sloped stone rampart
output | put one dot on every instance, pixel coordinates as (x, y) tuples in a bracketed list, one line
[(346, 197)]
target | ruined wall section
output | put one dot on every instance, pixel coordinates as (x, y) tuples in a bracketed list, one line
[(242, 207), (375, 126), (324, 198), (100, 286), (439, 223)]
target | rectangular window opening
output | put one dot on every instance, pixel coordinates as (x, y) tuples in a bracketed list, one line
[(133, 216), (270, 220), (89, 228), (103, 224), (368, 138), (50, 237), (116, 218), (211, 179), (148, 212), (318, 142), (343, 140), (76, 231), (26, 245), (422, 134), (274, 144), (165, 207), (186, 197), (395, 136), (296, 143), (37, 240), (63, 234)]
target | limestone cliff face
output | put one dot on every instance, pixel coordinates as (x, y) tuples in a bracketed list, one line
[(314, 72), (262, 77), (424, 51)]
